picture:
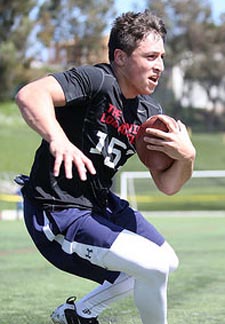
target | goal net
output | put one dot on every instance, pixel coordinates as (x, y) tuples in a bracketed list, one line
[(204, 191)]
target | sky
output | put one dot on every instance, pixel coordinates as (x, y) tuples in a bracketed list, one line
[(218, 6)]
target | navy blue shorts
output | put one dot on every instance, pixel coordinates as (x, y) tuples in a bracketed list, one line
[(66, 238)]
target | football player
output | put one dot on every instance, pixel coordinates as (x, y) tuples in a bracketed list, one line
[(88, 118)]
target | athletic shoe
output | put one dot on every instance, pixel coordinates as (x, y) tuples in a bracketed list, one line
[(66, 314)]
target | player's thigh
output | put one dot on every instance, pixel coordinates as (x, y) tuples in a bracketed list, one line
[(73, 241), (128, 218), (136, 256)]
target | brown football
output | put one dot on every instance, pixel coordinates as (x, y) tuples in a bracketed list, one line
[(153, 160)]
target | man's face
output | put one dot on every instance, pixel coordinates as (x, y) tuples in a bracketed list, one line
[(142, 69)]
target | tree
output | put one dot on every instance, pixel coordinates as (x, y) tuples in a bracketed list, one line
[(78, 22), (23, 23), (15, 25), (207, 66), (195, 43)]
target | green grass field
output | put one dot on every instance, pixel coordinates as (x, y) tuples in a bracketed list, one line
[(31, 288), (17, 141)]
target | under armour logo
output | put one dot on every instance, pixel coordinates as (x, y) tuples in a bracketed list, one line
[(88, 255), (86, 311)]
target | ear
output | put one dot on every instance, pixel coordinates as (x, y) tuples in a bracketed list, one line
[(120, 57)]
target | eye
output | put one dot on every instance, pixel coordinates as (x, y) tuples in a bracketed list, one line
[(151, 57)]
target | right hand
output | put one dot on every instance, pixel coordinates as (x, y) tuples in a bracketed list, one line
[(65, 152)]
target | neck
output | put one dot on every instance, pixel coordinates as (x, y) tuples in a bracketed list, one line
[(123, 82)]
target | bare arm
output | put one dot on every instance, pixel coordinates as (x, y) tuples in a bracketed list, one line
[(36, 102), (178, 145)]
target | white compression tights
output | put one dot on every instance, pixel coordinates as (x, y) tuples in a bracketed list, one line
[(144, 268)]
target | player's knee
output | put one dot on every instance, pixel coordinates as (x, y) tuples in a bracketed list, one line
[(160, 266), (157, 274), (174, 263), (163, 267), (171, 256), (165, 261)]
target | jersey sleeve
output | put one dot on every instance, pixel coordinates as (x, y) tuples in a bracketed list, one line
[(80, 83)]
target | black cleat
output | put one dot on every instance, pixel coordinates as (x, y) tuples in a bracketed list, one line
[(66, 314)]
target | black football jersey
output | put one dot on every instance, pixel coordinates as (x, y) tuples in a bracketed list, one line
[(102, 123)]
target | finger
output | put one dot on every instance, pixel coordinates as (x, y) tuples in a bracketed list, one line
[(89, 166), (155, 148), (57, 165), (170, 122), (85, 166), (154, 134), (181, 125), (82, 171), (68, 168), (152, 140)]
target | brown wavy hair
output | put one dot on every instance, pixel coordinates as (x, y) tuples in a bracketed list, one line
[(130, 28)]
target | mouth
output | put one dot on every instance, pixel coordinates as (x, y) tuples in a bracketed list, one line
[(154, 79)]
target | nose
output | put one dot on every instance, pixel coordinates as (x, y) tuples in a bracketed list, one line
[(159, 64)]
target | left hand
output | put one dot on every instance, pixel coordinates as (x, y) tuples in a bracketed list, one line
[(176, 143)]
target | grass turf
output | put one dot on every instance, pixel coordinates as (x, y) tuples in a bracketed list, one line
[(31, 288)]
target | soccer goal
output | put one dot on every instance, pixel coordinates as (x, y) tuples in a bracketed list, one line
[(204, 191)]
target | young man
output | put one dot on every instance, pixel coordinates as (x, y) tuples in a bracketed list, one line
[(88, 118)]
